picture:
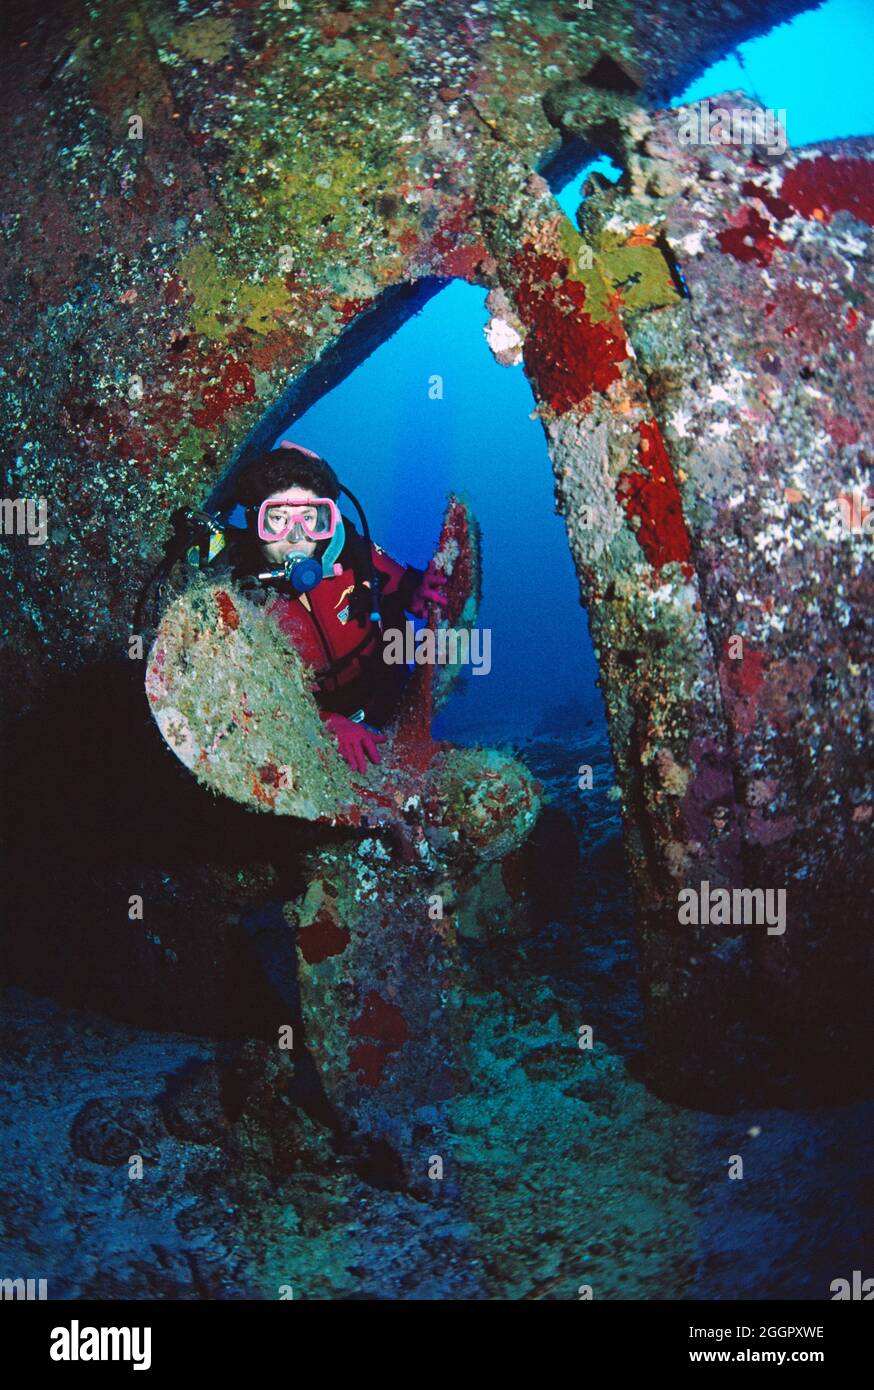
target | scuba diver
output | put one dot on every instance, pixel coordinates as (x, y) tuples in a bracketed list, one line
[(330, 589)]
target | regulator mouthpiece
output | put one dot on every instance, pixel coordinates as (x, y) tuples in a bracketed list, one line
[(303, 572)]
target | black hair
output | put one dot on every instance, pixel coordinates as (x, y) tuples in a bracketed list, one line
[(281, 468), (273, 472)]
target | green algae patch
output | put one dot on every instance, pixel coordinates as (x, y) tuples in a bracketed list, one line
[(636, 268), (232, 701), (626, 272), (222, 302), (207, 40)]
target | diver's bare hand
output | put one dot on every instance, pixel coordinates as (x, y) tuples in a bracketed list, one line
[(354, 741)]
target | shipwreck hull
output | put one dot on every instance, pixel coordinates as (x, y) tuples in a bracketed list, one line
[(156, 304)]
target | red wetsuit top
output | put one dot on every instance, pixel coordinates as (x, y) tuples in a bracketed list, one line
[(324, 633)]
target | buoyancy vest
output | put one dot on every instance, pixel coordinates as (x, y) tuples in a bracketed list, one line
[(343, 645)]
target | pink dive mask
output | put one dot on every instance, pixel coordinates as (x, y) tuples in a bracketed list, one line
[(288, 516)]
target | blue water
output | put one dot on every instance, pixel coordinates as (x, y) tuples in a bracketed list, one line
[(401, 452), (570, 197), (816, 68)]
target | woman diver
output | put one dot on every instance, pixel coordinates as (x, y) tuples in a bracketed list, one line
[(330, 589)]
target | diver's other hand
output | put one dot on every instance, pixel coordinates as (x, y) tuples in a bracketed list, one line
[(354, 741), (431, 590)]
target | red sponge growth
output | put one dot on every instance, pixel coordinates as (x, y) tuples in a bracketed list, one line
[(751, 240), (653, 497), (567, 356), (823, 186)]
